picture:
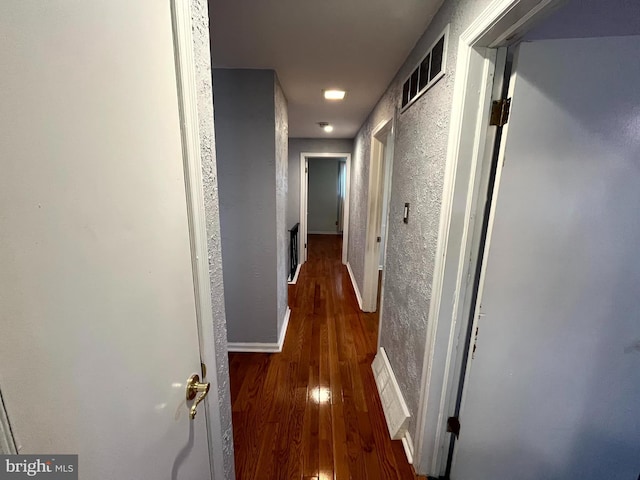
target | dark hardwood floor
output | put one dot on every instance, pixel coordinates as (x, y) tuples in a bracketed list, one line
[(312, 411)]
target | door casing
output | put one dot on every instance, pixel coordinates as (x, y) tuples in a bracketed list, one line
[(381, 143), (304, 196)]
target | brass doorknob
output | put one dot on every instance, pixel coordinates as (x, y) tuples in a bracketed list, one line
[(194, 386)]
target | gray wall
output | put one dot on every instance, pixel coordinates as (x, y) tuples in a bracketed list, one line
[(245, 116), (418, 174), (282, 252), (296, 147), (323, 195), (202, 59)]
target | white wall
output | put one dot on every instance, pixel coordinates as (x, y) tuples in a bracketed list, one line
[(322, 206)]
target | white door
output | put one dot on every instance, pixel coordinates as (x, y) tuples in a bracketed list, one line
[(97, 310), (553, 389)]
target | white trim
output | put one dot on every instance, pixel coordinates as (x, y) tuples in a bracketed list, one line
[(315, 232), (347, 208), (389, 181), (434, 80), (255, 347), (187, 100), (355, 285), (381, 139), (304, 187), (407, 443), (295, 275), (259, 347), (502, 19), (283, 330)]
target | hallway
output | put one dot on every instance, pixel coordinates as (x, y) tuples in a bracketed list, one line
[(312, 411)]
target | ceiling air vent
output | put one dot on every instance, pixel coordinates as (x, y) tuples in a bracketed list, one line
[(430, 69)]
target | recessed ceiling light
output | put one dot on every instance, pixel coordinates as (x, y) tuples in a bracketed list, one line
[(326, 127), (334, 94)]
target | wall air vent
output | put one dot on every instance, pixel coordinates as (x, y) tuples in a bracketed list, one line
[(425, 75), (395, 408)]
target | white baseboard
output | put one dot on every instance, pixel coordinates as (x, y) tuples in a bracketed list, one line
[(323, 233), (285, 326), (257, 347), (407, 443), (252, 347), (295, 276), (355, 285)]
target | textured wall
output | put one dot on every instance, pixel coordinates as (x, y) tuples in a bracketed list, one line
[(282, 244), (296, 147), (201, 49), (246, 160), (418, 172)]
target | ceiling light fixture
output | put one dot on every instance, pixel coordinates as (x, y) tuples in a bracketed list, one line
[(326, 127), (334, 94)]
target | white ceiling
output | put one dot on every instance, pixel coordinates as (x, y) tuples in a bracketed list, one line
[(355, 45)]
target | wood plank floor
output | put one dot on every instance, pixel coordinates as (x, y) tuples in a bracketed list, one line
[(312, 411)]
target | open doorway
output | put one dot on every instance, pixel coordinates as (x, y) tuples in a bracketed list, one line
[(325, 195), (324, 198), (326, 183), (377, 214)]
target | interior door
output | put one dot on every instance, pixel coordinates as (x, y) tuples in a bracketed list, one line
[(553, 385), (99, 331)]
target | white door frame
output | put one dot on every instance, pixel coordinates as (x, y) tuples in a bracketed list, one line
[(381, 140), (191, 156), (304, 196), (468, 151)]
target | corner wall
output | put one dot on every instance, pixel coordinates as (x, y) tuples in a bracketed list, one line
[(250, 199), (202, 60), (420, 147), (282, 244)]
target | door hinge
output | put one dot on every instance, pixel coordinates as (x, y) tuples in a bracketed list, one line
[(500, 112), (453, 426)]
